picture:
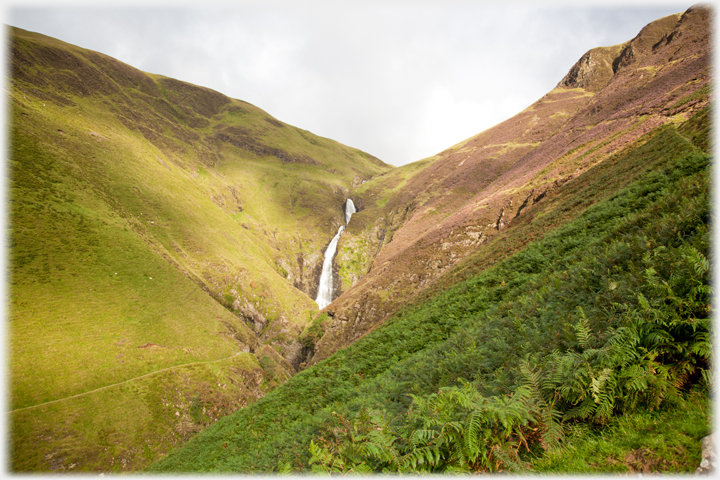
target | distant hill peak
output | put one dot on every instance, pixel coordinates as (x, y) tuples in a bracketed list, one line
[(598, 66)]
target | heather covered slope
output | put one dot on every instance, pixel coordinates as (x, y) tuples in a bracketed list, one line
[(522, 366), (456, 202), (156, 226)]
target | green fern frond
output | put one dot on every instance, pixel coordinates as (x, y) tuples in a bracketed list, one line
[(702, 345), (422, 437), (583, 410), (644, 304), (582, 329), (698, 261)]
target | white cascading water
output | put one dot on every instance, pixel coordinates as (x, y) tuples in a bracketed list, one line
[(349, 210), (325, 289)]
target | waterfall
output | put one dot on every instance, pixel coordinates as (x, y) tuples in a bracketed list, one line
[(325, 288), (349, 210)]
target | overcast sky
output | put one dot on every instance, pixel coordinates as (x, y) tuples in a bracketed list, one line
[(398, 79)]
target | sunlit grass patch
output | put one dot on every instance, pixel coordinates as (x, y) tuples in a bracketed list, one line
[(665, 440)]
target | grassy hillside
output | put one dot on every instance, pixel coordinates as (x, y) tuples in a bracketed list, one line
[(155, 226), (599, 323)]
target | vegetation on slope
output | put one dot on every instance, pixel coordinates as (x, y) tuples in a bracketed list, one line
[(155, 226), (604, 316)]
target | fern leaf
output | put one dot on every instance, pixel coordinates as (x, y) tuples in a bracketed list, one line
[(582, 329)]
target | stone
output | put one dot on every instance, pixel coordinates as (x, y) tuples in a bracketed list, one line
[(709, 459)]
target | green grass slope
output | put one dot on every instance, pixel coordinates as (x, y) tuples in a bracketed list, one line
[(602, 315), (155, 226), (92, 302)]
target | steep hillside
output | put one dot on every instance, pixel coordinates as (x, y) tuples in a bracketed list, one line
[(421, 220), (531, 292), (601, 325), (165, 246)]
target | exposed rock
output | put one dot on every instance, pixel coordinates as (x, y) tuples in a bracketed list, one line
[(709, 457), (626, 57), (282, 336), (294, 354), (358, 202), (597, 67), (250, 314), (593, 71), (499, 222)]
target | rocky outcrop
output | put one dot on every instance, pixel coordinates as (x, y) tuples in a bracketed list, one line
[(593, 71), (597, 67)]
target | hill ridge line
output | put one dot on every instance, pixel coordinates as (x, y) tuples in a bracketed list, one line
[(120, 383)]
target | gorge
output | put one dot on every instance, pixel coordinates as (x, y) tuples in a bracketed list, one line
[(325, 285), (533, 288)]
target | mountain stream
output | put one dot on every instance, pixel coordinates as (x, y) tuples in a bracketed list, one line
[(325, 289)]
